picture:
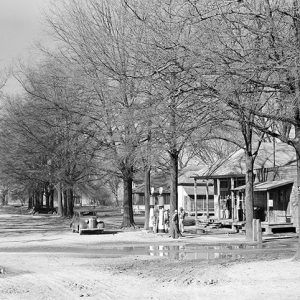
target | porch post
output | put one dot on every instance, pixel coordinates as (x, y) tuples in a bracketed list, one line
[(218, 193), (243, 206), (232, 199), (238, 208), (207, 199), (268, 229), (195, 199)]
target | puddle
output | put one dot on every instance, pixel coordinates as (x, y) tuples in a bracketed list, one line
[(271, 249), (207, 252), (212, 252)]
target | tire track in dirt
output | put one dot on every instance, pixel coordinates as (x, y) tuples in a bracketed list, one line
[(100, 285), (78, 284), (14, 287), (53, 285), (56, 277)]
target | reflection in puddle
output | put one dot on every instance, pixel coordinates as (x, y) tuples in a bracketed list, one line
[(212, 252), (183, 252)]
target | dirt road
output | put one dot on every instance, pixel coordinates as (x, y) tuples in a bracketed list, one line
[(41, 259)]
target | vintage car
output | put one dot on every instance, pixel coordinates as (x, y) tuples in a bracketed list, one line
[(86, 220)]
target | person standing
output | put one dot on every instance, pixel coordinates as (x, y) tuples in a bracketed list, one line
[(174, 225), (167, 220), (155, 219), (181, 219), (228, 207), (223, 206)]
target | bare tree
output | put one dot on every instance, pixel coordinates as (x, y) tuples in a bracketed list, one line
[(233, 52), (182, 100), (98, 37), (58, 142)]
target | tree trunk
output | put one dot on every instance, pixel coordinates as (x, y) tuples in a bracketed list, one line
[(296, 142), (59, 200), (33, 199), (65, 203), (37, 201), (298, 189), (297, 148), (47, 195), (127, 201), (174, 181), (116, 193), (173, 186), (147, 197), (70, 201), (41, 197), (249, 195), (51, 196), (2, 198), (174, 153), (30, 202)]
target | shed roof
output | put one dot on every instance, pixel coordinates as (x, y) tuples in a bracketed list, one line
[(266, 186)]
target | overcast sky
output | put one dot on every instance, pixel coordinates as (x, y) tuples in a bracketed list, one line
[(20, 27)]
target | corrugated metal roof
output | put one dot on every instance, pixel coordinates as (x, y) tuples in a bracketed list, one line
[(234, 165), (266, 186)]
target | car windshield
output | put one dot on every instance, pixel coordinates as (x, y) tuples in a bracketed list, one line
[(88, 213)]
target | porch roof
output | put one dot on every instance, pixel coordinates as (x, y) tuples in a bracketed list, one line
[(201, 190), (266, 186)]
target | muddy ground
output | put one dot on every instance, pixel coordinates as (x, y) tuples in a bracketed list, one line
[(40, 258)]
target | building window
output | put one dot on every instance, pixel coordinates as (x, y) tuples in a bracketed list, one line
[(239, 182), (224, 184)]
